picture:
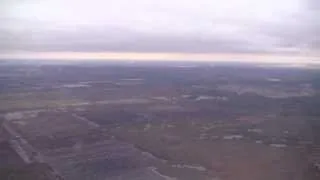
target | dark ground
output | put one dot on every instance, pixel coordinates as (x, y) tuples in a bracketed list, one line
[(155, 121)]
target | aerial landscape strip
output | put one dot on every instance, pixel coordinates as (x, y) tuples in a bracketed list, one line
[(141, 56)]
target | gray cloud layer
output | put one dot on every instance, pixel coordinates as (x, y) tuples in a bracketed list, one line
[(229, 26)]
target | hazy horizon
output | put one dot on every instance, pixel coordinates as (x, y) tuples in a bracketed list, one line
[(208, 30)]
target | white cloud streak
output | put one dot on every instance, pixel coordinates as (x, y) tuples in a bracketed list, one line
[(286, 26)]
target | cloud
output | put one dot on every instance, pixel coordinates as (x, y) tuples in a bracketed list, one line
[(313, 5), (230, 26)]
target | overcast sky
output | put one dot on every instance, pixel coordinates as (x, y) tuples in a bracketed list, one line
[(192, 26)]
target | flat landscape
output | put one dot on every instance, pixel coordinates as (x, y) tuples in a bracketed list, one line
[(158, 121)]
